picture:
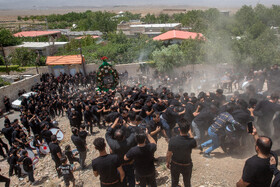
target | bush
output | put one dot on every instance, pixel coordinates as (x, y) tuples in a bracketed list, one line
[(11, 68), (3, 83)]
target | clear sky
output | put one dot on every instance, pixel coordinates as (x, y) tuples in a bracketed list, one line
[(26, 4)]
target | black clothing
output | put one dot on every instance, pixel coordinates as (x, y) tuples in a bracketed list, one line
[(181, 147), (54, 149), (265, 111), (257, 172), (170, 116), (71, 157), (46, 135), (27, 163), (79, 143), (8, 133), (152, 126), (88, 116), (7, 120), (159, 108), (143, 159), (276, 173), (190, 109), (5, 180), (119, 147), (107, 166), (242, 116), (186, 172), (145, 109), (204, 119)]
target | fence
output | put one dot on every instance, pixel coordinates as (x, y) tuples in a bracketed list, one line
[(11, 91)]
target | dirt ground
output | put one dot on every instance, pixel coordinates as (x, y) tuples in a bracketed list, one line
[(220, 171), (143, 10)]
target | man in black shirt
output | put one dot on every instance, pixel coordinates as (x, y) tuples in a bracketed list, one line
[(55, 153), (169, 119), (155, 127), (8, 131), (159, 106), (202, 122), (143, 156), (147, 111), (75, 120), (45, 133), (179, 155), (108, 166), (27, 165), (88, 118), (7, 120), (120, 145), (265, 111), (81, 146), (256, 172)]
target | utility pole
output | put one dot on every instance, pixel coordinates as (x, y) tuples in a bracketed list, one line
[(5, 60), (83, 64), (37, 60)]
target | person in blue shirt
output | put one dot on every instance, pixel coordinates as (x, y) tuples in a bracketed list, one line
[(217, 129)]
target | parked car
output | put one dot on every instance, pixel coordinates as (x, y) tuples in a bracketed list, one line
[(17, 103)]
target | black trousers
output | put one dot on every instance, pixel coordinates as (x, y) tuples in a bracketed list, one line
[(186, 171), (57, 164), (148, 180), (16, 168), (5, 146), (6, 180)]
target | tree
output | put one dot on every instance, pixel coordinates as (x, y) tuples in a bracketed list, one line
[(23, 57), (193, 51), (7, 38), (168, 58)]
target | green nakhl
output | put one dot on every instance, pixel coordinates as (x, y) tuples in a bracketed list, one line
[(107, 77)]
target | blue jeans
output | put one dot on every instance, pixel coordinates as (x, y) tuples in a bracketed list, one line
[(165, 126), (214, 141)]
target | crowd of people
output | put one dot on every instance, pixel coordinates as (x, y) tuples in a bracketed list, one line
[(135, 116)]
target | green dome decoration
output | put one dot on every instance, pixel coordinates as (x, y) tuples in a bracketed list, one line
[(107, 76)]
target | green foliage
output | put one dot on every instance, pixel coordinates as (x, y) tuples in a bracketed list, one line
[(2, 61), (7, 38), (167, 58), (246, 38), (23, 57), (4, 83), (11, 68)]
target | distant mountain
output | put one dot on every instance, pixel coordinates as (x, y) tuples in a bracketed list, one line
[(31, 4)]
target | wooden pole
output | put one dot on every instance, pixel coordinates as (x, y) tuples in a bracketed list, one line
[(5, 60)]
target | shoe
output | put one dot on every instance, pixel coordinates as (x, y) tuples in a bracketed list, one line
[(200, 148), (33, 183), (207, 155), (21, 179)]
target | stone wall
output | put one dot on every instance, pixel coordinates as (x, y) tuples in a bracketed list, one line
[(11, 91)]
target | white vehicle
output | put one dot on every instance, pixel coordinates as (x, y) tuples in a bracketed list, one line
[(17, 103)]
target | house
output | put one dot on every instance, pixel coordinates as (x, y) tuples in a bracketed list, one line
[(33, 34), (74, 34), (43, 48), (70, 64), (132, 28), (176, 36)]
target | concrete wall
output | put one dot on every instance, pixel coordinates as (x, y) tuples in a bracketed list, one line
[(11, 91)]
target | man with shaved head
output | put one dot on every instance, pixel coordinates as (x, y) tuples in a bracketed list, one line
[(256, 172)]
